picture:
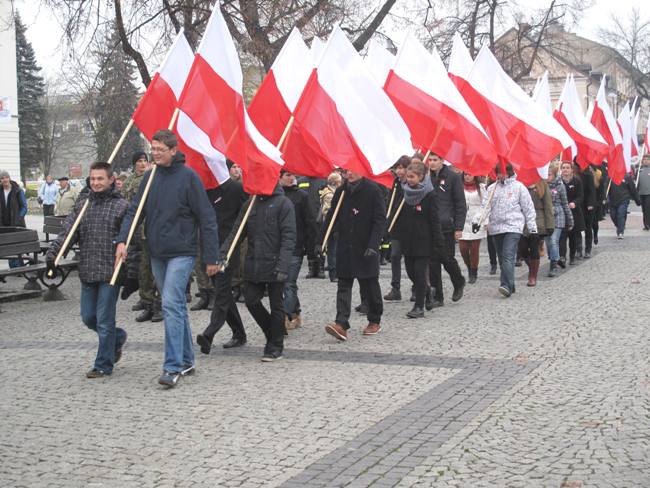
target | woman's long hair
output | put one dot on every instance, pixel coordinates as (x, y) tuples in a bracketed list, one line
[(477, 183)]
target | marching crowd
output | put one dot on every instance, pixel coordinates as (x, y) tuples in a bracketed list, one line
[(243, 249)]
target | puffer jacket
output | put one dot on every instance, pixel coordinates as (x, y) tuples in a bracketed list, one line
[(561, 211), (509, 209), (95, 234)]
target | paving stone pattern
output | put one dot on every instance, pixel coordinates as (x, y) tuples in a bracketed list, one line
[(549, 388)]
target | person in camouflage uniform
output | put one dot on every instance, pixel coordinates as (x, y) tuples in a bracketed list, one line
[(138, 261)]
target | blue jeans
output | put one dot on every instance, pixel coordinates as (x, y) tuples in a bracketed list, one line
[(98, 302), (291, 300), (171, 277), (553, 244), (506, 245), (619, 216)]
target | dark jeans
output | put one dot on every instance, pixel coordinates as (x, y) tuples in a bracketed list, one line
[(492, 250), (416, 268), (225, 308), (506, 246), (48, 210), (590, 217), (645, 207), (618, 215), (451, 266), (529, 246), (395, 264), (291, 300), (271, 323), (370, 293)]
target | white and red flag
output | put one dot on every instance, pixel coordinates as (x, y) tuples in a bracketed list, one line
[(625, 126), (435, 112), (635, 125), (212, 100), (346, 118), (460, 62), (379, 61), (603, 120), (589, 146), (156, 109), (646, 142), (518, 127), (316, 49)]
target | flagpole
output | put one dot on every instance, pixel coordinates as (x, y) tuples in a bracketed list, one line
[(75, 225), (392, 199), (138, 212), (638, 170), (331, 226)]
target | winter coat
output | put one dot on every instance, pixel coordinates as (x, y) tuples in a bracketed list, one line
[(95, 234), (644, 180), (65, 201), (543, 210), (450, 194), (473, 200), (306, 229), (13, 214), (625, 191), (360, 223), (510, 208), (176, 207), (313, 187), (590, 197), (418, 229), (574, 194), (561, 211), (227, 201), (271, 232)]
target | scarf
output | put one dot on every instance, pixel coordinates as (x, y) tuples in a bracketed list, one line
[(413, 196)]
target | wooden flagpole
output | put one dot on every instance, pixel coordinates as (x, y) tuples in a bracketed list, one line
[(331, 226), (75, 225), (138, 212), (638, 170), (392, 198)]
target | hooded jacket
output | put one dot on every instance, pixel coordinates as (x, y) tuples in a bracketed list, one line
[(510, 208), (176, 207)]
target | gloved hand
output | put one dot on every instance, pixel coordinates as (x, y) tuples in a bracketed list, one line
[(130, 286), (475, 228), (370, 253), (50, 267), (282, 276)]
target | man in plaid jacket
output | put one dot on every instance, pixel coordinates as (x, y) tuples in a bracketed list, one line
[(96, 235)]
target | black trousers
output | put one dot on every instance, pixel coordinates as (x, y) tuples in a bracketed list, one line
[(590, 217), (416, 268), (395, 264), (225, 308), (574, 237), (492, 250), (271, 323), (645, 207), (450, 264), (370, 293)]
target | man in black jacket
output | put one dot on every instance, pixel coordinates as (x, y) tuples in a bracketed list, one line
[(176, 203), (271, 232), (452, 209), (313, 186), (96, 233), (306, 231), (619, 199), (227, 200), (395, 248), (361, 222)]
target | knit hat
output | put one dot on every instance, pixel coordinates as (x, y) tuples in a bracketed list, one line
[(139, 155)]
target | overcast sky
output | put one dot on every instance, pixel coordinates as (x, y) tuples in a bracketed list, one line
[(44, 32)]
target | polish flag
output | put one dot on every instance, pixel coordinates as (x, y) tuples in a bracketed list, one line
[(519, 128), (646, 142), (436, 113), (603, 120), (625, 126), (346, 118), (156, 109), (635, 124), (316, 49), (379, 62), (589, 146), (212, 100), (460, 62)]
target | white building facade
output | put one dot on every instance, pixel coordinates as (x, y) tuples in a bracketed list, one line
[(9, 142)]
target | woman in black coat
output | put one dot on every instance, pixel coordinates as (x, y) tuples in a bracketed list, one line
[(589, 204), (418, 230), (575, 195)]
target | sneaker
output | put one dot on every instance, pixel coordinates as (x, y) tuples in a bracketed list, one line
[(118, 349), (204, 343), (337, 330), (393, 295), (188, 370), (371, 329), (169, 379), (269, 357), (504, 291), (96, 373)]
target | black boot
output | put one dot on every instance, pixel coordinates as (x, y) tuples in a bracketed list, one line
[(473, 273), (139, 306), (458, 292), (202, 304), (493, 268), (146, 313), (428, 299), (393, 295), (320, 268), (204, 343), (415, 313), (157, 312), (234, 342), (312, 271)]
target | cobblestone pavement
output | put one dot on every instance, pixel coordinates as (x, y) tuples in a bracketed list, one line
[(549, 388)]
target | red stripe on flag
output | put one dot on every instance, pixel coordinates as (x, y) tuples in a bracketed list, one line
[(155, 110), (589, 151), (615, 158), (268, 111)]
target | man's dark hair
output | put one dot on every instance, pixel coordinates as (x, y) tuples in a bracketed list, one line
[(167, 137), (102, 165)]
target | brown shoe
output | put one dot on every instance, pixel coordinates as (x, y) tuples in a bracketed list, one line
[(371, 329), (337, 330)]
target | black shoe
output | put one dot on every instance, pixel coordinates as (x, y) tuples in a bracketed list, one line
[(493, 269), (562, 263), (435, 304), (269, 357), (596, 239), (96, 373), (428, 299), (586, 255), (393, 295), (458, 292), (204, 343), (472, 273), (234, 342), (157, 313), (169, 379), (139, 306), (203, 302), (145, 315), (118, 349), (362, 308), (572, 260), (415, 313)]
